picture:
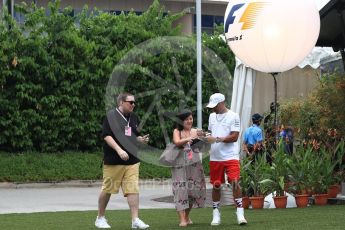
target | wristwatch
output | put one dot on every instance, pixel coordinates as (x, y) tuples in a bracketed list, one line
[(218, 140)]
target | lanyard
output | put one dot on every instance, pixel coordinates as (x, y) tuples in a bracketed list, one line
[(124, 117)]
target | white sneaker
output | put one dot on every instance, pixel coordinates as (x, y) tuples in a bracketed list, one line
[(101, 222), (137, 223), (240, 216), (216, 217)]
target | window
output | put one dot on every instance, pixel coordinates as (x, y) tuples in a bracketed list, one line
[(208, 22), (20, 18), (118, 12)]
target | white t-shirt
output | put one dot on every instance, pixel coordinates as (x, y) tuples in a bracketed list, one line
[(222, 125)]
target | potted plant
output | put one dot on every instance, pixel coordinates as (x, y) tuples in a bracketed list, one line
[(338, 174), (258, 171), (278, 176), (323, 175), (299, 174), (245, 182)]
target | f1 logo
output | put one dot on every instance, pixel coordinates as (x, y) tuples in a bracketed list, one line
[(231, 18), (248, 17)]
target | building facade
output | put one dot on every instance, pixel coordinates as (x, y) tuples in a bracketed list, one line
[(212, 10)]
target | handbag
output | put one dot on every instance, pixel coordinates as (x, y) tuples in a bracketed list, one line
[(169, 155)]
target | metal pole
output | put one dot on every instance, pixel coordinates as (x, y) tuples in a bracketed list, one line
[(198, 64), (275, 110), (10, 4), (342, 52)]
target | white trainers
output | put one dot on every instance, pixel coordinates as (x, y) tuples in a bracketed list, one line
[(137, 223), (240, 216), (101, 222), (216, 217)]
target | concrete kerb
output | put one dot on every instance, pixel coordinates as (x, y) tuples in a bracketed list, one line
[(59, 184), (79, 184)]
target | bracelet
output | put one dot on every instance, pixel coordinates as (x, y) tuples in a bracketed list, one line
[(218, 140)]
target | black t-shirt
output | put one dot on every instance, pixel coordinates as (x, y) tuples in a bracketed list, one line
[(127, 143)]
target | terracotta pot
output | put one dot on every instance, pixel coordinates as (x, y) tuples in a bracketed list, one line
[(333, 191), (245, 202), (301, 200), (321, 199), (280, 201), (257, 202)]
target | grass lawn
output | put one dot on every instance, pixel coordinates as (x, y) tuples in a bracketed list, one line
[(314, 218)]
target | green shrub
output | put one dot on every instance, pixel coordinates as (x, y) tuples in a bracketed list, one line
[(319, 119), (55, 69)]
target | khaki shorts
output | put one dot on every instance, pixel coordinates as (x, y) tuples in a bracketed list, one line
[(124, 176)]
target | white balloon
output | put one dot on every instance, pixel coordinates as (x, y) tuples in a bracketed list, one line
[(272, 35)]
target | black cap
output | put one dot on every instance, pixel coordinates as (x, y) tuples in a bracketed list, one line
[(257, 117)]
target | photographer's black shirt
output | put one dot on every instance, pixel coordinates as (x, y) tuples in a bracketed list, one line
[(128, 144)]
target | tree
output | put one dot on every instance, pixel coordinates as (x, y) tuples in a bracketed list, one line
[(55, 70)]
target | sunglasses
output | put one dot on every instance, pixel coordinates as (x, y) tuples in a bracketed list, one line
[(131, 102)]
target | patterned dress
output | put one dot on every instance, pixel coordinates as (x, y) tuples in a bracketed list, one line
[(188, 181)]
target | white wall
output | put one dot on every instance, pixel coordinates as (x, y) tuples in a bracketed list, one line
[(295, 83)]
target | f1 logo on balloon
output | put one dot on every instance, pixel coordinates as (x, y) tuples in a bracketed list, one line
[(271, 35), (248, 17)]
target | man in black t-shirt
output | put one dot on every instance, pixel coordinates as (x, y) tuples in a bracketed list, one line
[(120, 162), (270, 132)]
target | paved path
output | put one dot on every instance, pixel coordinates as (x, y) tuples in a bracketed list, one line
[(83, 195), (73, 196)]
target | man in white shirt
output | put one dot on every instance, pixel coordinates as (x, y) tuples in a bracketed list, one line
[(224, 126)]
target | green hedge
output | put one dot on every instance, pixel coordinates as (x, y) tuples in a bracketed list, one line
[(54, 71), (43, 167), (319, 119)]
